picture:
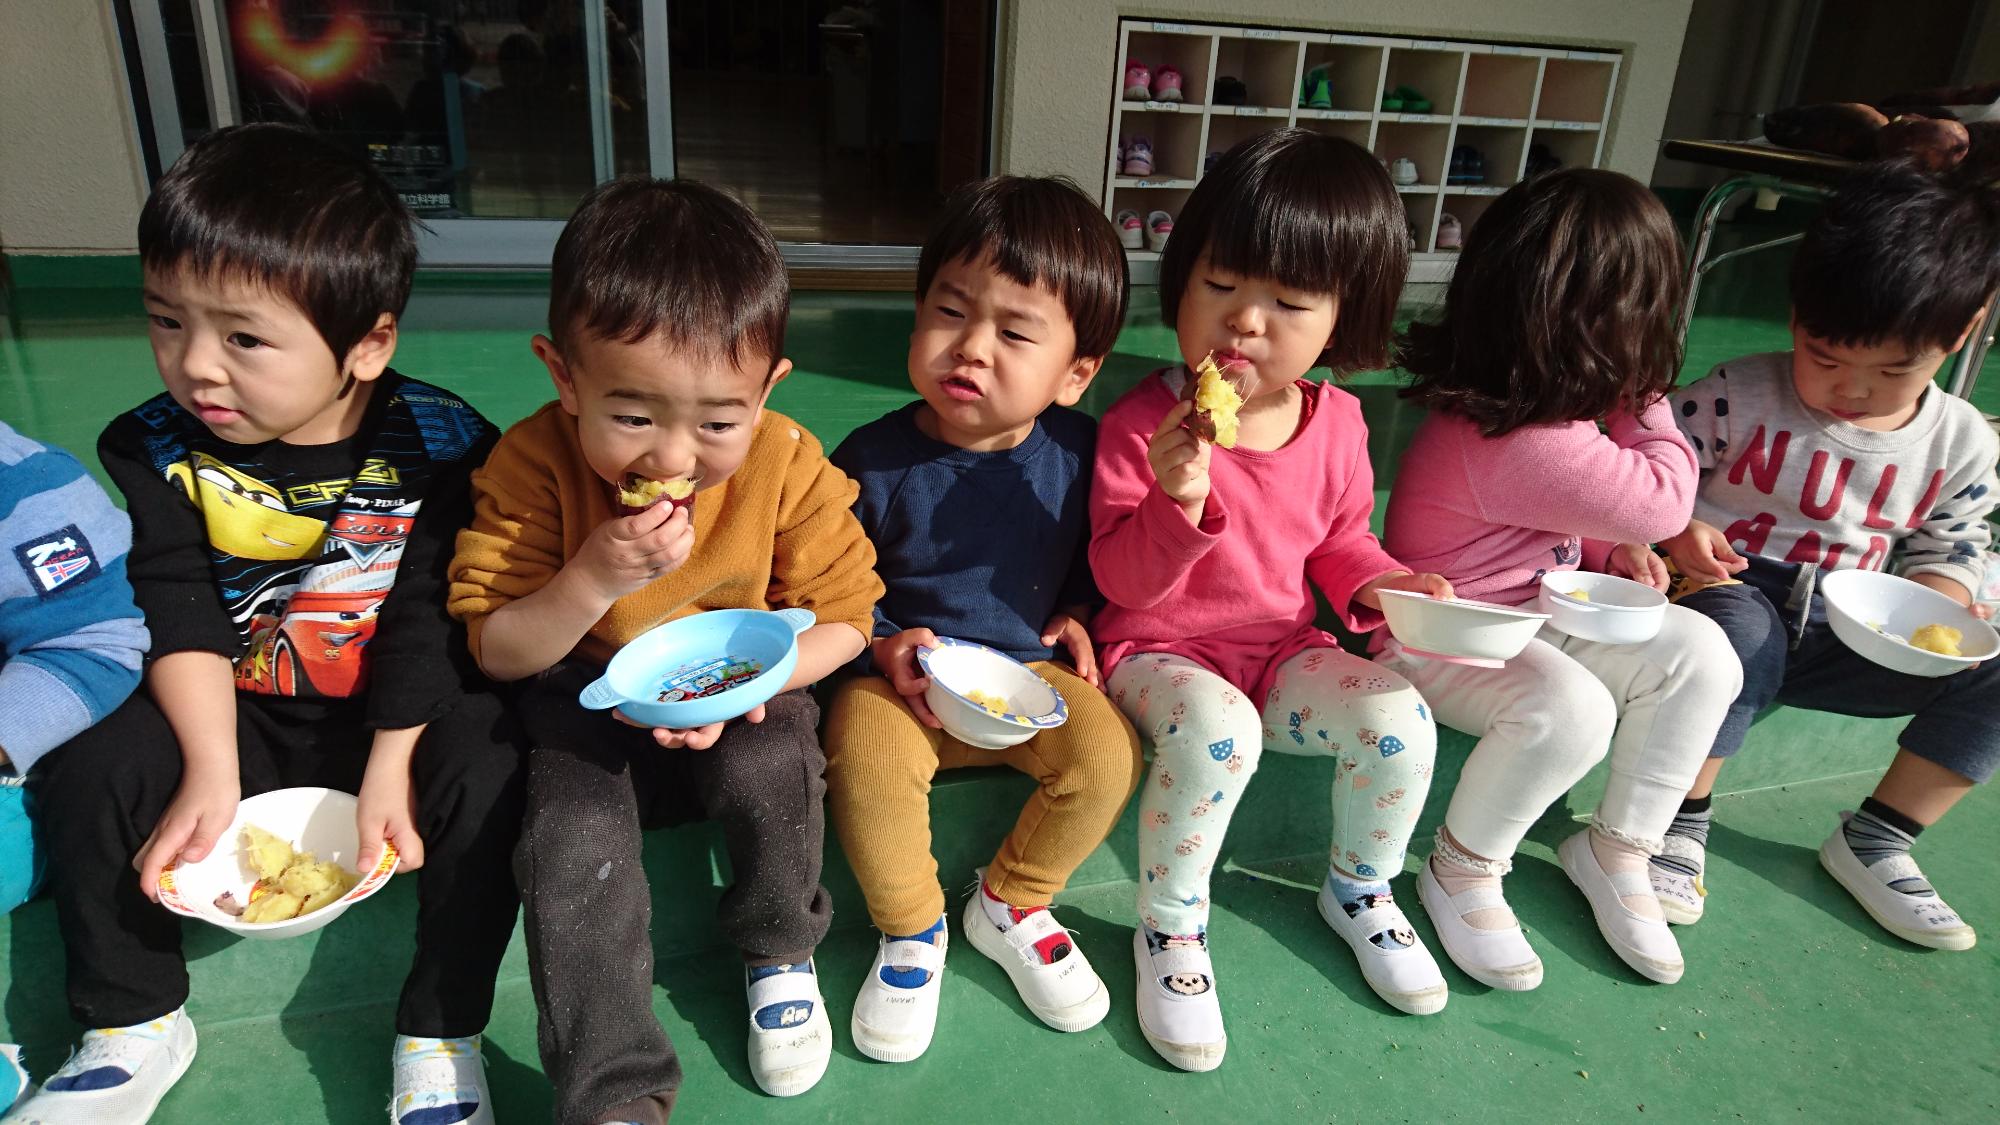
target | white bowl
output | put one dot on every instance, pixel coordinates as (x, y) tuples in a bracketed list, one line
[(1619, 612), (1457, 628), (958, 668), (320, 821), (1857, 601)]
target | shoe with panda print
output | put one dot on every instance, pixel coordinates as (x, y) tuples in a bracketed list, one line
[(1052, 975), (1393, 959), (1179, 1013)]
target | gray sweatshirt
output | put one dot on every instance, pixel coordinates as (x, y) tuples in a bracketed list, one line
[(1786, 482)]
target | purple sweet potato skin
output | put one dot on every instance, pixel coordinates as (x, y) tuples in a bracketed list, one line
[(1929, 143), (1845, 129)]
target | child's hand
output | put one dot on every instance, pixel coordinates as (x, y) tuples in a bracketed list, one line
[(1070, 631), (1638, 562), (897, 658), (1435, 585), (188, 830), (1951, 589), (1703, 552), (386, 809), (692, 738), (627, 553), (1180, 462)]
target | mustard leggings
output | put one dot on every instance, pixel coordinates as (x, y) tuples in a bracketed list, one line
[(879, 765)]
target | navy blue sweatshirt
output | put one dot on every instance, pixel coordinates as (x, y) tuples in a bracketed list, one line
[(984, 547)]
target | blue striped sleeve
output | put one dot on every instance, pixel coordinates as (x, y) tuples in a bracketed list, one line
[(71, 638)]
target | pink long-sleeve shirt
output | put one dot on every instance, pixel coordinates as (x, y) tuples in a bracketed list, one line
[(1231, 594), (1495, 514)]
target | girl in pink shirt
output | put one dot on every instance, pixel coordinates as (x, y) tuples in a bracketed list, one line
[(1288, 255), (1559, 318)]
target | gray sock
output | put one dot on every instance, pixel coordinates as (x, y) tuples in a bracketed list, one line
[(1692, 822), (1877, 832)]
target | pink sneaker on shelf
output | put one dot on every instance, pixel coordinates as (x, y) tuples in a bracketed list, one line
[(1138, 82), (1131, 230), (1166, 84), (1159, 225), (1138, 158)]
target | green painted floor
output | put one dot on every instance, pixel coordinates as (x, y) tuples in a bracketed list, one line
[(1795, 1004)]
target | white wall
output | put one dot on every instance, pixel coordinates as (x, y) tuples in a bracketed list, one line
[(1057, 56), (71, 177)]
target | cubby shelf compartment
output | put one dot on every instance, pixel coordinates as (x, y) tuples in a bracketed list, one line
[(1503, 99)]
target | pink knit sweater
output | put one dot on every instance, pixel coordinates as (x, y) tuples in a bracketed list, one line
[(1232, 593), (1495, 514)]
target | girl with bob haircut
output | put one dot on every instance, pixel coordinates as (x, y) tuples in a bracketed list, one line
[(1288, 256), (1550, 446)]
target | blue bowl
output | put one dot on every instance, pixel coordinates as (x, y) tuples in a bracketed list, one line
[(707, 668)]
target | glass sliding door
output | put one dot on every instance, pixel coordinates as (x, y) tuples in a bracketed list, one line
[(842, 125)]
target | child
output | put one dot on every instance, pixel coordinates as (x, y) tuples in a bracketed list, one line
[(667, 306), (1289, 255), (976, 498), (292, 499), (71, 642), (1892, 276), (1560, 315)]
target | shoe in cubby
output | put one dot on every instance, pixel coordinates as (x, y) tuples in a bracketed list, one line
[(1230, 90), (1138, 82), (1138, 159), (1159, 227), (1316, 92), (1451, 235), (1403, 171), (1167, 83), (1131, 230)]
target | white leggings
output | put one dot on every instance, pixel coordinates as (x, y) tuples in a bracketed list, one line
[(1207, 740), (1551, 713)]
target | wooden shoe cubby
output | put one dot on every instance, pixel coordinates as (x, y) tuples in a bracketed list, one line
[(1502, 98)]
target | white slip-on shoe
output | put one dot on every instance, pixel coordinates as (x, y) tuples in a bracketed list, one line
[(1682, 897), (1406, 976), (1646, 944), (1500, 959), (790, 1037), (114, 1076), (440, 1082), (1925, 921), (1066, 994), (894, 1023), (1183, 1025)]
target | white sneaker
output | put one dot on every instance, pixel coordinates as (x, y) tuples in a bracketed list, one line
[(1184, 1027), (114, 1077), (1067, 994), (1499, 959), (1925, 921), (440, 1082), (1682, 897), (1646, 944), (1406, 976), (790, 1037), (893, 1023)]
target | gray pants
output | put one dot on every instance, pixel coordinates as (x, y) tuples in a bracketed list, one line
[(594, 786)]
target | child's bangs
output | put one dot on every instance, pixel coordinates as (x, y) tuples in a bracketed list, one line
[(1298, 247)]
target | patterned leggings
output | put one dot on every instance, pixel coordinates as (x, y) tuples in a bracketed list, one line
[(1208, 738)]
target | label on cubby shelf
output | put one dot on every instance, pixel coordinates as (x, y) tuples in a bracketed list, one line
[(1178, 28), (1355, 40), (1152, 183), (1163, 107), (1432, 45), (1495, 121), (1567, 126), (1265, 33), (1510, 49), (1256, 111)]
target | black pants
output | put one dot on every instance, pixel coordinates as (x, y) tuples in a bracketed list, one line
[(594, 785), (102, 794)]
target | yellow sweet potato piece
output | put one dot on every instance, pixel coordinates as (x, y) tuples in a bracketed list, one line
[(275, 907), (1941, 639), (267, 855)]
